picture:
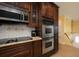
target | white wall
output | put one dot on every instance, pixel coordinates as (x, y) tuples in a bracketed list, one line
[(16, 30)]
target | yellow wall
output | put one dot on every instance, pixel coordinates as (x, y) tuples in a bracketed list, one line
[(61, 29), (64, 27), (75, 26), (67, 25)]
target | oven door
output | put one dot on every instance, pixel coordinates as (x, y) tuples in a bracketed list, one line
[(48, 45), (47, 31)]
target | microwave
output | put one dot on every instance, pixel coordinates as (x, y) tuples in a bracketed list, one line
[(13, 14)]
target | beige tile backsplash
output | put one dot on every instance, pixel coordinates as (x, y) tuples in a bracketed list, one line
[(14, 30)]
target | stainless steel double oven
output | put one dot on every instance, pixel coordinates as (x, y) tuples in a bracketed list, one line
[(48, 35)]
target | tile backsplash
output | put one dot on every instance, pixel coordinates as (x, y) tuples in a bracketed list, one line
[(14, 30)]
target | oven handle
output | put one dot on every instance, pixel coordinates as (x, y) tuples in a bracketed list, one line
[(47, 38)]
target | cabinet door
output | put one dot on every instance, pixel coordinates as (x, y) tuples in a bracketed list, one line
[(37, 48), (20, 50), (47, 10), (34, 15), (24, 5), (26, 51), (50, 11), (44, 10), (56, 13)]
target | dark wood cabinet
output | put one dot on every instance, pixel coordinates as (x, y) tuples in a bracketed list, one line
[(47, 10), (56, 28), (50, 11), (56, 13), (34, 15), (37, 48), (17, 50), (44, 7), (24, 5), (28, 49)]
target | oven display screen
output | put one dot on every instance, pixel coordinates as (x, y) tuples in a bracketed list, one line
[(48, 30)]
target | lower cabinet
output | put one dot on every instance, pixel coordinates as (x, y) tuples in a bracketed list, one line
[(25, 51), (18, 50), (37, 48), (22, 50)]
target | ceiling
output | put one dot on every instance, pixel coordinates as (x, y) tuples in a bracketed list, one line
[(70, 9)]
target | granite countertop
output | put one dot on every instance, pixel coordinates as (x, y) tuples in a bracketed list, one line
[(33, 39)]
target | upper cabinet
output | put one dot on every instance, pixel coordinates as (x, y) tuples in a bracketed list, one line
[(24, 5), (47, 10), (34, 15), (50, 10), (56, 13), (44, 9)]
